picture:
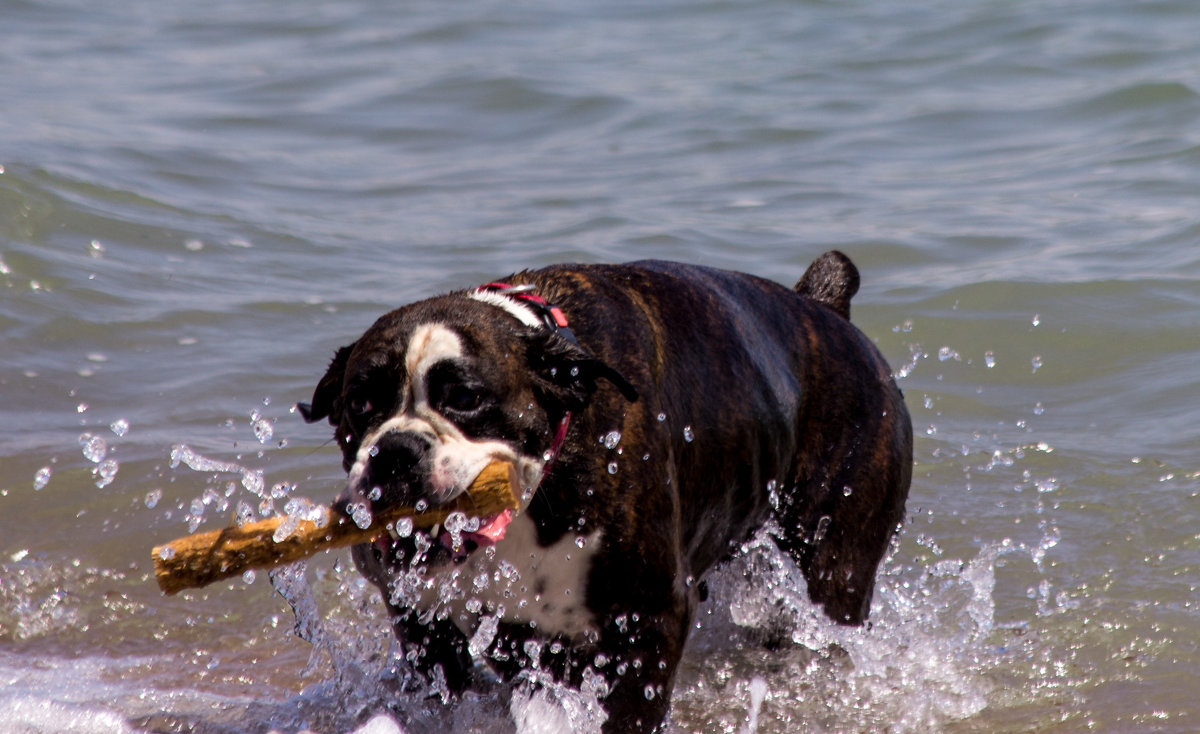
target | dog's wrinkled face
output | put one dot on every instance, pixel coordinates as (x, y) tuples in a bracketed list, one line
[(433, 392)]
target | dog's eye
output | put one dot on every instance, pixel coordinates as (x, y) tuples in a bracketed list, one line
[(462, 399), (360, 406)]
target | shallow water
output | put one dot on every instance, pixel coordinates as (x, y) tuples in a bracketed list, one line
[(199, 204)]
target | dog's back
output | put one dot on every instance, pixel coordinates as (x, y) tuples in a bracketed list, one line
[(773, 403)]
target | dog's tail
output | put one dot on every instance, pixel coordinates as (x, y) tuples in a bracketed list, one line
[(832, 280)]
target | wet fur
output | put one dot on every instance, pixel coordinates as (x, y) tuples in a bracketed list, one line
[(792, 415)]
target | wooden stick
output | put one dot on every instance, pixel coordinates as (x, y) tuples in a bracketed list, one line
[(200, 559)]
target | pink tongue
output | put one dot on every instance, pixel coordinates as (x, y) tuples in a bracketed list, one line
[(490, 532)]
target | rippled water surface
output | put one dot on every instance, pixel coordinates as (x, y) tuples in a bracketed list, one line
[(199, 203)]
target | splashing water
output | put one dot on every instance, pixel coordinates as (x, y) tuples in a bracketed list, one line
[(252, 479), (106, 472), (263, 429), (360, 513), (95, 448)]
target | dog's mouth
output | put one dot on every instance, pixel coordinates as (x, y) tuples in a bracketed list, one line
[(451, 541), (462, 541)]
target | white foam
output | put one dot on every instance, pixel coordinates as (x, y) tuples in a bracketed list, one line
[(380, 724), (56, 696)]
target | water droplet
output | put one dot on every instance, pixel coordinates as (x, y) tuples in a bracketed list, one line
[(166, 553), (404, 527), (847, 491), (612, 467), (263, 430), (1038, 409), (107, 472), (41, 478), (253, 481), (688, 434), (455, 522), (611, 439), (243, 515), (286, 528), (649, 691), (120, 427), (1036, 362), (580, 541), (946, 353), (1036, 320), (422, 505), (248, 576), (375, 493), (297, 507), (662, 417), (989, 359), (508, 571), (822, 528), (601, 660), (574, 372), (94, 447), (152, 498), (361, 515)]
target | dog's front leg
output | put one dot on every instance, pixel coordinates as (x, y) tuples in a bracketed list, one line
[(429, 647), (436, 649), (641, 654)]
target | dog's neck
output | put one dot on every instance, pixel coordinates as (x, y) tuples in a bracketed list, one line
[(521, 302)]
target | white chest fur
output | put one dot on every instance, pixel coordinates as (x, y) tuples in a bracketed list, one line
[(518, 581)]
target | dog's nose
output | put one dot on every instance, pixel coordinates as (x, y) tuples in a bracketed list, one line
[(397, 468)]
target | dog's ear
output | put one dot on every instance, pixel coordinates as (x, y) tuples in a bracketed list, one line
[(567, 374), (328, 389)]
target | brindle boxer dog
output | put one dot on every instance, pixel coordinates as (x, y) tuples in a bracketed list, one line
[(658, 415)]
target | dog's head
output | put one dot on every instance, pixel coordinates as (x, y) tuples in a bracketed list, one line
[(434, 391)]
